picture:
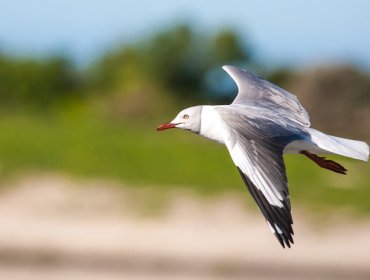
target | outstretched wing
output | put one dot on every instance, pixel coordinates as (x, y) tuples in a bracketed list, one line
[(254, 90), (259, 159)]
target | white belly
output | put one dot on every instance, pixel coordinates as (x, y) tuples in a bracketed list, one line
[(304, 145)]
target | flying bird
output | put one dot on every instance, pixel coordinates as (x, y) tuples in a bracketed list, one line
[(262, 123)]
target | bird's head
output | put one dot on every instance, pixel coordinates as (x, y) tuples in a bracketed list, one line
[(188, 119)]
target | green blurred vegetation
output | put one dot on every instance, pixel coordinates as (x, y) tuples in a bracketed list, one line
[(100, 121)]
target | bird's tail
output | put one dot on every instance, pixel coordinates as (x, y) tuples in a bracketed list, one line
[(341, 146)]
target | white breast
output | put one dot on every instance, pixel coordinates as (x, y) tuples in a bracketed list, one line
[(212, 126)]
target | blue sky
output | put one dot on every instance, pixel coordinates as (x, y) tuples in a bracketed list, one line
[(298, 33)]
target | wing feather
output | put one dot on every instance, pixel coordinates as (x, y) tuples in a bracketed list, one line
[(258, 156), (261, 93)]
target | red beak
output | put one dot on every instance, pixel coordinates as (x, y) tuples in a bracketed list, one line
[(166, 126)]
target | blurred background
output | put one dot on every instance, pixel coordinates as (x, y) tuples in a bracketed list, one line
[(89, 190)]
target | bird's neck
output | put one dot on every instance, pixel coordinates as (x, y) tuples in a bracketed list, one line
[(212, 126)]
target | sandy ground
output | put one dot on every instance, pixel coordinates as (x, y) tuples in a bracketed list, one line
[(56, 228)]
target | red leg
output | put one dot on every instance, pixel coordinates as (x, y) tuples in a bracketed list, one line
[(325, 163)]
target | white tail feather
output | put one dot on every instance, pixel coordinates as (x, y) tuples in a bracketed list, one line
[(341, 146)]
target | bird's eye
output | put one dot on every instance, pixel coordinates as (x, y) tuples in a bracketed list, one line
[(186, 116)]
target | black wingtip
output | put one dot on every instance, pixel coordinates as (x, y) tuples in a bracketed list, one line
[(281, 241), (279, 219), (284, 239)]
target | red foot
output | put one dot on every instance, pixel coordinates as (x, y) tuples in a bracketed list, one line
[(325, 163)]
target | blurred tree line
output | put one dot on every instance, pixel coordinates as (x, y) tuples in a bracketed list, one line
[(30, 83), (175, 68)]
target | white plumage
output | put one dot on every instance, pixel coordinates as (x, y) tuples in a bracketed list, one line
[(264, 122)]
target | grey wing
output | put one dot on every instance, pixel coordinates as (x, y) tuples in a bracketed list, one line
[(259, 160), (259, 92)]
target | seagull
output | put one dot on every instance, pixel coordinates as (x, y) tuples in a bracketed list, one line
[(262, 123)]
